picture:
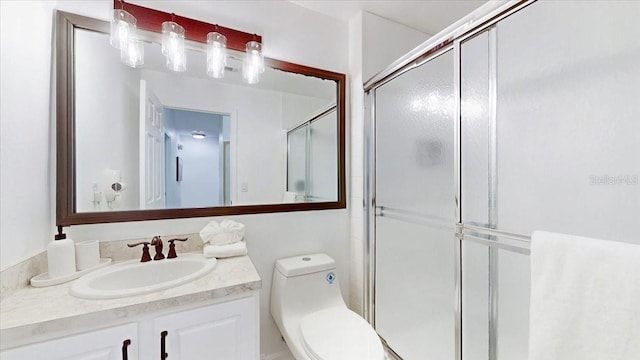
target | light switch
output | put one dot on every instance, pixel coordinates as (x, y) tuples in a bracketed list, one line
[(244, 187)]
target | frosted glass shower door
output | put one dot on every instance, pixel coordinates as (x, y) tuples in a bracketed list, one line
[(297, 161), (323, 158), (550, 140), (415, 203)]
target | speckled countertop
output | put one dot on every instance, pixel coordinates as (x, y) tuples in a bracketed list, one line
[(32, 311)]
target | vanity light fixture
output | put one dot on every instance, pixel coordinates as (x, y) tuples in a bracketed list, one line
[(173, 45), (253, 64), (198, 135), (216, 54), (129, 17)]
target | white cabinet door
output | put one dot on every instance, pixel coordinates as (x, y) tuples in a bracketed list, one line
[(227, 331), (106, 344)]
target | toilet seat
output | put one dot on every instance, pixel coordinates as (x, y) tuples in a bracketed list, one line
[(339, 334)]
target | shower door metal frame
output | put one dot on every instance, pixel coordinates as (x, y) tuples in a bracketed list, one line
[(449, 39)]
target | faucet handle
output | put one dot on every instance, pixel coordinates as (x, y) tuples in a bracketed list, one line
[(146, 256), (172, 247), (157, 243)]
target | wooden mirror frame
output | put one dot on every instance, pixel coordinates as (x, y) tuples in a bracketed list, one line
[(66, 215)]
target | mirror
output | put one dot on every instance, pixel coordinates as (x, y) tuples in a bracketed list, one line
[(148, 143)]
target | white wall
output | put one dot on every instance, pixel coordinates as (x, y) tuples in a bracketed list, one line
[(296, 109), (27, 206), (25, 130), (107, 103), (201, 178), (384, 41), (201, 184), (374, 43)]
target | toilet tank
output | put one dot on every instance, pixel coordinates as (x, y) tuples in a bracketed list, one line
[(304, 284)]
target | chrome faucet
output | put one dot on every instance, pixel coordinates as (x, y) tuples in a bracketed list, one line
[(157, 242)]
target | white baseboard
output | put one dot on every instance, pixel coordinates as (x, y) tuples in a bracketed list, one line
[(281, 355)]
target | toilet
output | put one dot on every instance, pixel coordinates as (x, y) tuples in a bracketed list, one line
[(308, 308)]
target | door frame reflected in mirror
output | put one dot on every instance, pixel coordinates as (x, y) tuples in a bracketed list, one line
[(66, 214)]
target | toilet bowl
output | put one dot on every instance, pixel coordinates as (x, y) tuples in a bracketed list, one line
[(308, 308)]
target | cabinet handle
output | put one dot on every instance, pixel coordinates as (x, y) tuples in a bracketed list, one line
[(163, 345), (125, 351)]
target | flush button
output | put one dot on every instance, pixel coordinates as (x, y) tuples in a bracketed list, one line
[(331, 277), (306, 259)]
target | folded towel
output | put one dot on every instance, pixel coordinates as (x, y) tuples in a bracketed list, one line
[(223, 232), (585, 299), (224, 251)]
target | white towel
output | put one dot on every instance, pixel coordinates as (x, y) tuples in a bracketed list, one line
[(585, 299), (224, 251), (223, 232)]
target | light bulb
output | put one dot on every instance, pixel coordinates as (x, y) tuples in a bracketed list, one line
[(253, 63), (216, 54), (133, 53), (173, 46)]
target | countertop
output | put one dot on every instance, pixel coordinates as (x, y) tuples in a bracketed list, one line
[(32, 311)]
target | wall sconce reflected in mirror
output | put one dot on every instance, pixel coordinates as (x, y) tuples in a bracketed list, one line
[(134, 54)]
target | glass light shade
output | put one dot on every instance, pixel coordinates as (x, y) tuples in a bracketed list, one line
[(253, 64), (172, 37), (177, 61), (173, 46), (133, 54), (216, 54), (123, 28)]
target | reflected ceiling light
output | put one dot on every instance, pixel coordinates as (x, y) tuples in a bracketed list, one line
[(253, 64), (216, 54), (198, 135), (173, 46), (123, 37)]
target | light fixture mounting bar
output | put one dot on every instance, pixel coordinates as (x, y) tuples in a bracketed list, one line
[(196, 30)]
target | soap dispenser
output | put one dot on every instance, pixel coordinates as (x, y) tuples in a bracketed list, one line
[(61, 255)]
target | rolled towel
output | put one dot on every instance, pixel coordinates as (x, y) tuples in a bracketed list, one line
[(222, 233), (224, 251)]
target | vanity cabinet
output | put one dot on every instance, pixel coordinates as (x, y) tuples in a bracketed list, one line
[(114, 343), (223, 331), (224, 328)]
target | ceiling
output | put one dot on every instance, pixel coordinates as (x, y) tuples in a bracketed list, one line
[(429, 16)]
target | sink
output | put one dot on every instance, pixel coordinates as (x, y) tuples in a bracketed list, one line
[(133, 277)]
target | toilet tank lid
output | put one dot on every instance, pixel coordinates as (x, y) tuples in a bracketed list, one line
[(305, 264)]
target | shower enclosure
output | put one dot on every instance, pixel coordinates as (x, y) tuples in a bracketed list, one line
[(311, 158), (526, 117)]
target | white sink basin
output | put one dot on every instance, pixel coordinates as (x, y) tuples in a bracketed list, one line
[(135, 278)]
